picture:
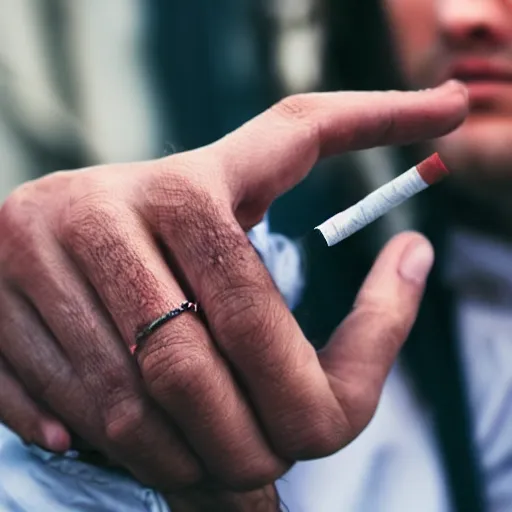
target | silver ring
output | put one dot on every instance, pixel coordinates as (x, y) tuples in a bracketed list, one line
[(156, 324)]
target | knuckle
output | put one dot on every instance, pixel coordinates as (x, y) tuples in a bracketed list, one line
[(16, 214), (22, 237), (175, 368), (29, 202), (295, 107), (359, 402), (397, 327), (299, 109), (81, 221), (240, 300), (386, 131), (246, 313), (26, 219), (190, 216), (177, 190), (91, 206), (392, 324), (394, 328), (128, 435), (13, 206), (123, 421), (324, 435), (51, 387), (115, 386), (168, 199)]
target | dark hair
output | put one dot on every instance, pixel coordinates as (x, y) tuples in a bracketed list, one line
[(359, 51)]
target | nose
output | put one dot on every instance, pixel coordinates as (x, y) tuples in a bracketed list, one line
[(475, 23)]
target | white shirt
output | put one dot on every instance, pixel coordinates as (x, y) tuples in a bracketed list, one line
[(481, 270)]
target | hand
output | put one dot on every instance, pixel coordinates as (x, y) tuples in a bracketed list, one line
[(88, 257)]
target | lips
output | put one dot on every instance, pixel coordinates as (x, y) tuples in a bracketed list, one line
[(481, 71), (486, 80)]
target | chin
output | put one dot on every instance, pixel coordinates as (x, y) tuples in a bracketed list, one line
[(481, 149)]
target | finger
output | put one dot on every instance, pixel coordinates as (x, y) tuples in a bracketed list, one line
[(38, 361), (254, 329), (180, 364), (27, 419), (275, 150), (125, 424), (202, 500), (362, 350)]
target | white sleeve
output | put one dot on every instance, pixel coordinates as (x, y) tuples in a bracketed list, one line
[(282, 259)]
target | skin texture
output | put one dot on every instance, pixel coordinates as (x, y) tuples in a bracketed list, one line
[(436, 40), (218, 410)]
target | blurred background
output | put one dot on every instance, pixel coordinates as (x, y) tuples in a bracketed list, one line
[(97, 82), (93, 82)]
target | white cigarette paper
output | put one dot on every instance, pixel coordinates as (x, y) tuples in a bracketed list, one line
[(373, 206)]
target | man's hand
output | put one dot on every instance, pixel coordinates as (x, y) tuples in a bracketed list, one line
[(89, 257)]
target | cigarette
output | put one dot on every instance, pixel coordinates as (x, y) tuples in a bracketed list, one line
[(382, 200)]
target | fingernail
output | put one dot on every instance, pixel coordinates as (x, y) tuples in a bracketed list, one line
[(55, 438), (417, 262), (452, 84), (456, 85)]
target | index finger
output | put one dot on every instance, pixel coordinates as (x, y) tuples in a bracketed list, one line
[(274, 151)]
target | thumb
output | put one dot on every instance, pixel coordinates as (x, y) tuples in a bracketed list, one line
[(361, 352), (270, 154)]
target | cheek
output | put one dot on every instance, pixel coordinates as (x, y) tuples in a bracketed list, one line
[(413, 30)]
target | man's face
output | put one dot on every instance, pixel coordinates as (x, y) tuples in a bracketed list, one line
[(470, 40)]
